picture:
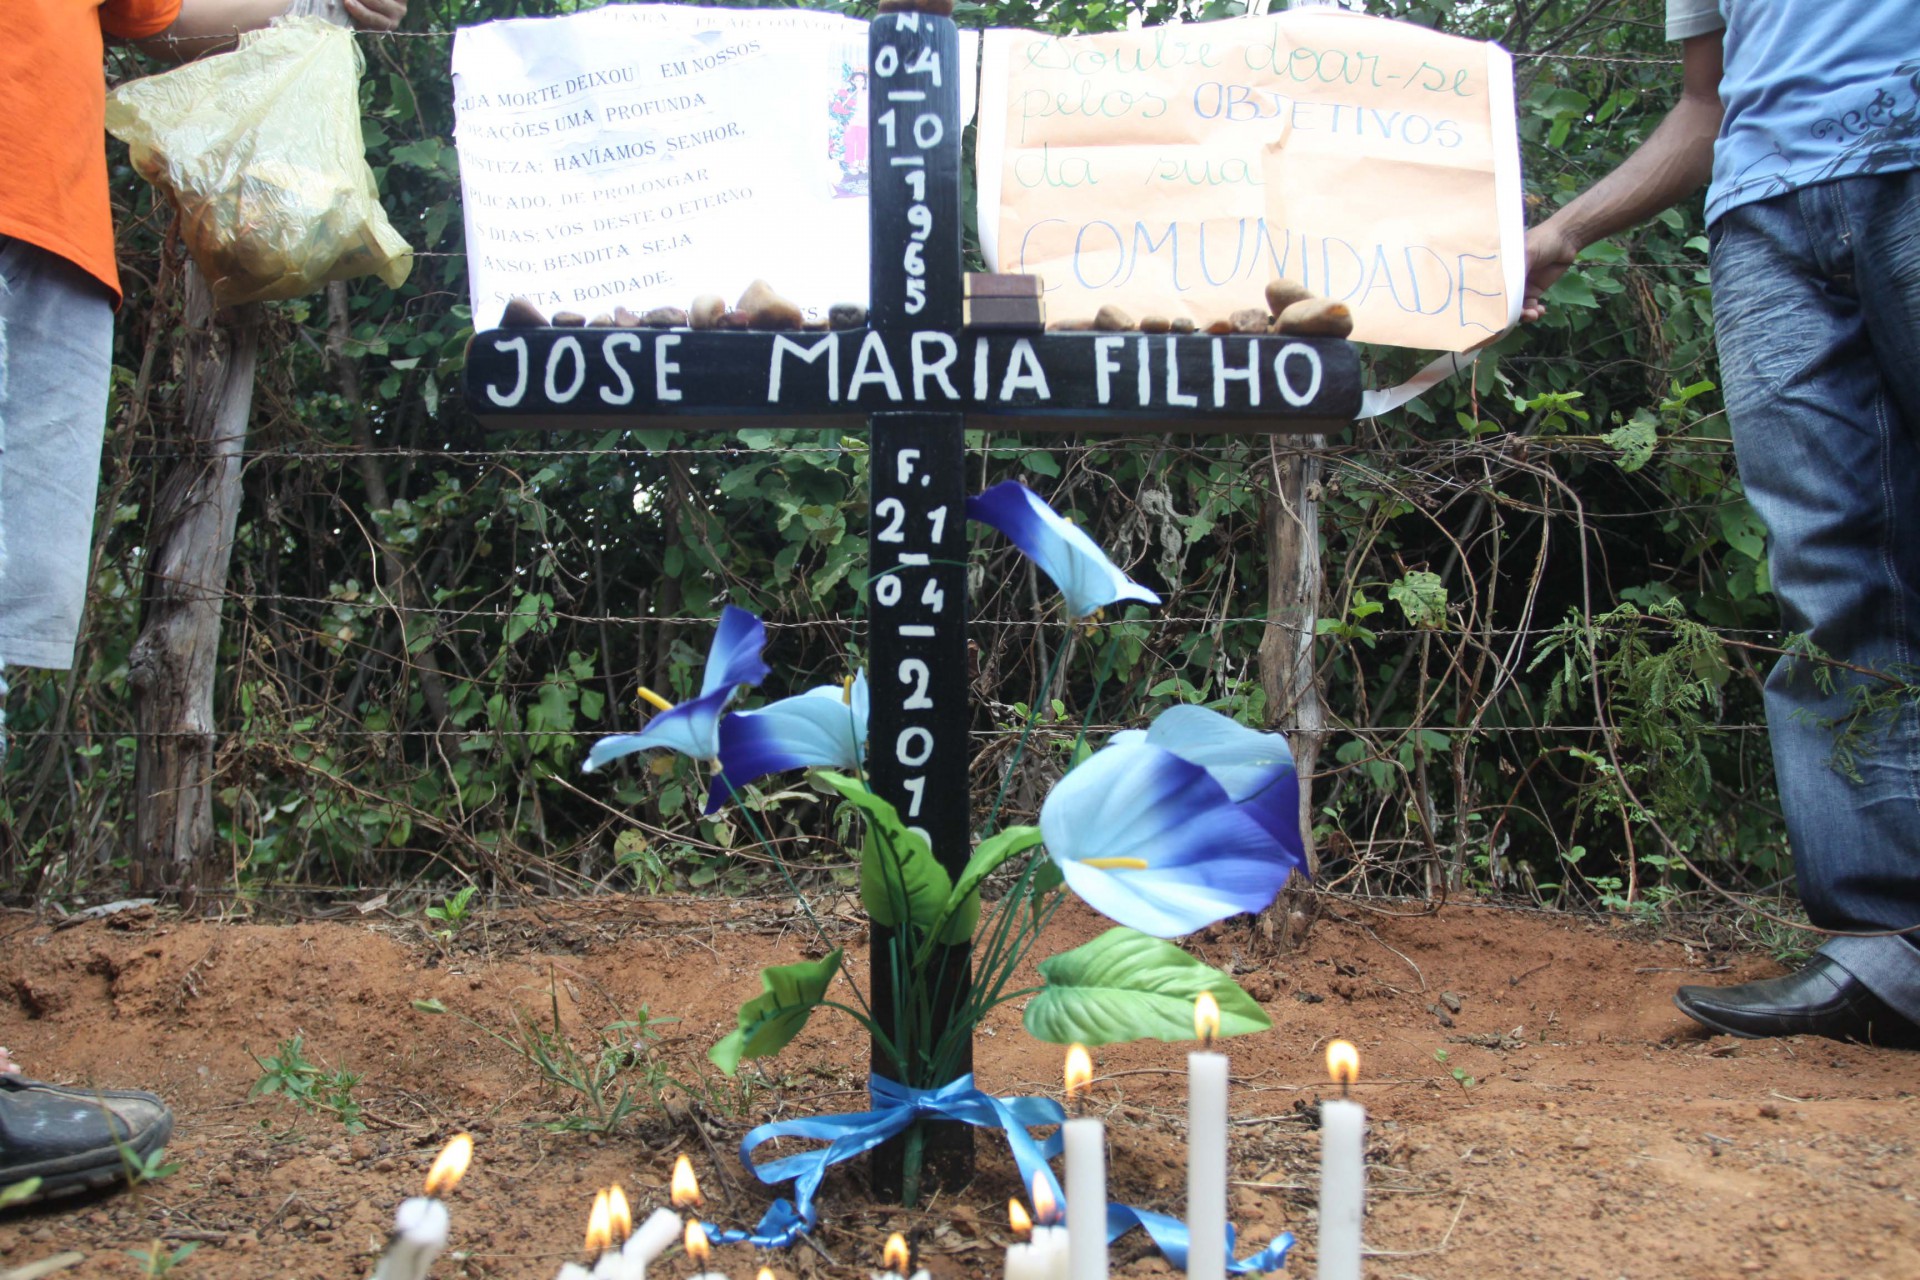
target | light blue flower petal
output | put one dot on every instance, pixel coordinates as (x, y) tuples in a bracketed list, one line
[(692, 729), (1064, 552), (1205, 857), (1244, 761), (734, 657), (1278, 810), (819, 728), (1169, 905), (1255, 768), (612, 748)]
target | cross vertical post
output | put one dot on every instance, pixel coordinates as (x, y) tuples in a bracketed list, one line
[(918, 750)]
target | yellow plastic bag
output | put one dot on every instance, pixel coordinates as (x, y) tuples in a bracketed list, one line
[(260, 151)]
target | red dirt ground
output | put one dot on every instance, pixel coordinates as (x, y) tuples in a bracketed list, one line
[(1602, 1136)]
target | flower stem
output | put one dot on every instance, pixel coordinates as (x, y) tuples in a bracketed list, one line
[(1026, 730), (1099, 683)]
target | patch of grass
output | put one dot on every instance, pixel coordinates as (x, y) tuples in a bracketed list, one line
[(311, 1086), (1459, 1074), (158, 1260), (452, 913), (602, 1075)]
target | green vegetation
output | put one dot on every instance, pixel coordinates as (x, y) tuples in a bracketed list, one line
[(18, 1192), (1544, 625), (151, 1167), (452, 914), (158, 1260), (310, 1086), (1459, 1074), (613, 1077)]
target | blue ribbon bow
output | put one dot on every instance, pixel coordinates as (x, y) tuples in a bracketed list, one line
[(896, 1106)]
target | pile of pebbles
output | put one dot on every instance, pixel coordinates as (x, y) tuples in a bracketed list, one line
[(760, 307), (1290, 310)]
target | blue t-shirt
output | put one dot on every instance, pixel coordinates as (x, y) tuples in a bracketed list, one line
[(1813, 90)]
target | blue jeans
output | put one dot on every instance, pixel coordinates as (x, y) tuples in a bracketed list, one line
[(57, 324), (1816, 298)]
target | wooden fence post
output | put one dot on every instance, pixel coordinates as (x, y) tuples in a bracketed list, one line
[(189, 544), (1287, 672)]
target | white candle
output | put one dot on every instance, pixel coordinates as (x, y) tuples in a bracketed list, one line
[(1050, 1249), (1043, 1255), (1343, 1172), (573, 1271), (1086, 1140), (661, 1229), (420, 1223), (419, 1234), (1086, 1143), (896, 1258), (1206, 1166), (699, 1251)]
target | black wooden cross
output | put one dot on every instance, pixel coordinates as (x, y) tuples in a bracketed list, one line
[(918, 378)]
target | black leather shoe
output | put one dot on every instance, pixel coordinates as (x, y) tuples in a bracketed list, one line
[(1822, 999), (75, 1139)]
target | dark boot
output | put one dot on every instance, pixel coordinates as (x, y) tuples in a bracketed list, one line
[(1822, 999), (75, 1139)]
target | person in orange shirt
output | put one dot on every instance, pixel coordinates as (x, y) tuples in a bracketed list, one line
[(58, 292)]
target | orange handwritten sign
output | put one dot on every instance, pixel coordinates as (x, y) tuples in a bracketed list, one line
[(1174, 171)]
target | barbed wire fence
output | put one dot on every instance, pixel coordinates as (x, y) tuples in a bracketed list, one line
[(1506, 729)]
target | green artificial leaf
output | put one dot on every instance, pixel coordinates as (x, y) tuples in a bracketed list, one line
[(1046, 878), (1422, 597), (896, 865), (963, 904), (770, 1021), (1635, 439), (1125, 986)]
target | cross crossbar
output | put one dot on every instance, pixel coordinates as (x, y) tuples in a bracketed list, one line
[(579, 378)]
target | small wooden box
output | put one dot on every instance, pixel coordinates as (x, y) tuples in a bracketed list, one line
[(983, 284), (1003, 313)]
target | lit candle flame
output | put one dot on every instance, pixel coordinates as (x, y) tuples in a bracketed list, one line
[(1079, 1070), (1343, 1062), (895, 1257), (765, 1273), (619, 1214), (1206, 1019), (1045, 1209), (599, 1225), (696, 1243), (686, 1188), (1017, 1218), (449, 1164)]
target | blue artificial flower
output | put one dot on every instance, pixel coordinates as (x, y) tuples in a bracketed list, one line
[(1086, 578), (693, 727), (823, 727), (1255, 768), (1154, 842)]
